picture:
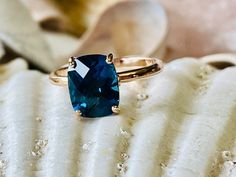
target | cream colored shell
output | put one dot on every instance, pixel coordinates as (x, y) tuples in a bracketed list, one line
[(180, 123)]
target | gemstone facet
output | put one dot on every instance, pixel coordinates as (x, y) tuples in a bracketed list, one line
[(93, 86)]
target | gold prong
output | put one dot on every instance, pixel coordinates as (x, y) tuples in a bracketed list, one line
[(79, 115), (118, 80), (109, 59), (71, 59), (115, 109), (71, 62), (78, 112)]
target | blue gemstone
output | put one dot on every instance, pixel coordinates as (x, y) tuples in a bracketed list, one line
[(93, 86)]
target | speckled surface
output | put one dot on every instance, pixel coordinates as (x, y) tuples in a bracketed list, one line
[(180, 123)]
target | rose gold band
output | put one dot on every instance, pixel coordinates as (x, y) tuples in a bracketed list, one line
[(128, 69)]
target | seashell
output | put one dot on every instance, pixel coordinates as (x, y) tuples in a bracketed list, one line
[(57, 43), (183, 128), (2, 52), (200, 28), (220, 60), (46, 13), (15, 29), (81, 14), (12, 68), (128, 28)]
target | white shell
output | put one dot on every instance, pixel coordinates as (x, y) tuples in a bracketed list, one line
[(128, 28), (21, 34), (12, 68), (185, 127)]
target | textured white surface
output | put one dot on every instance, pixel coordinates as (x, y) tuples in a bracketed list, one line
[(185, 128)]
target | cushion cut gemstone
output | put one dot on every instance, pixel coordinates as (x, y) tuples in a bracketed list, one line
[(93, 86)]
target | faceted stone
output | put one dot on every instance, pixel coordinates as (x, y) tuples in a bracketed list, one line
[(93, 86)]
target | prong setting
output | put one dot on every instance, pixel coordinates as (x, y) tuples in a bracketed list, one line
[(109, 59), (115, 109), (72, 62), (78, 112)]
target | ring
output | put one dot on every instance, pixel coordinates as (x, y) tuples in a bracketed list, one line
[(94, 83)]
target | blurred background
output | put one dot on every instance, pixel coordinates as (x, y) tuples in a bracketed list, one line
[(46, 32)]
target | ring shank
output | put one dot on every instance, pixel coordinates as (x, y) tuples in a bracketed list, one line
[(128, 69)]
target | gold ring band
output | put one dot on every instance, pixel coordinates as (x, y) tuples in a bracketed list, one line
[(128, 69)]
